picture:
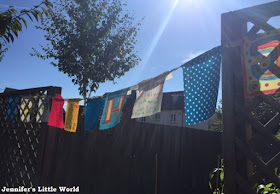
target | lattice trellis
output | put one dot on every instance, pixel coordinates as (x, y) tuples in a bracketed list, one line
[(23, 113), (251, 150)]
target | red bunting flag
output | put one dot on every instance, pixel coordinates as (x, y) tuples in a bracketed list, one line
[(56, 116)]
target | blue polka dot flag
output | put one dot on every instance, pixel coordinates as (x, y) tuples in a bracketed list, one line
[(201, 84)]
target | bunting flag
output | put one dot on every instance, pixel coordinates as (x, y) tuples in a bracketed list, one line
[(112, 111), (72, 113), (26, 108), (56, 116), (261, 65), (149, 97), (43, 109), (93, 112), (12, 108), (201, 84), (33, 108)]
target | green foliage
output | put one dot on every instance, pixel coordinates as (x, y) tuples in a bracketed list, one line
[(216, 177), (11, 22), (92, 41), (267, 188), (278, 135), (218, 123)]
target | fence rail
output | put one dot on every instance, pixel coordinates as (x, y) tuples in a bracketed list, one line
[(129, 158)]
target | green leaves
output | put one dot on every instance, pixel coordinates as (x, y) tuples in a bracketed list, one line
[(216, 122), (91, 40), (217, 177), (267, 189), (11, 22)]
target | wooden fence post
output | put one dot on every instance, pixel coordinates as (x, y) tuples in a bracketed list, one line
[(48, 147), (233, 30)]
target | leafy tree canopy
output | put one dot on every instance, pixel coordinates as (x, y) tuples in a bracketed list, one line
[(11, 22), (92, 41)]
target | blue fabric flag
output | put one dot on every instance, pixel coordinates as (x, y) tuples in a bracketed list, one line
[(93, 112), (112, 111), (12, 108), (201, 84)]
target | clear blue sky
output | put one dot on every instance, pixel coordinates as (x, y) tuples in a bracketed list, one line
[(174, 31)]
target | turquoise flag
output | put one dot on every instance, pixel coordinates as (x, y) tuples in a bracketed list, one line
[(112, 111), (201, 84)]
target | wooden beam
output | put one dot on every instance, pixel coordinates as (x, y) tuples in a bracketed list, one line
[(257, 125), (254, 30), (49, 140), (260, 22), (245, 185), (265, 169), (273, 124), (233, 30), (270, 9)]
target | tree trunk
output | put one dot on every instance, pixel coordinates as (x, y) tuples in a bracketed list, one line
[(85, 94)]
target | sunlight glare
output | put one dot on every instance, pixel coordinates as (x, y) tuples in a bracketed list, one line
[(158, 34)]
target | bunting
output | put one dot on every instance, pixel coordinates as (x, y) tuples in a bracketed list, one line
[(112, 111), (12, 108), (26, 108), (201, 84), (261, 65), (56, 115), (43, 109), (93, 112), (72, 113), (149, 96)]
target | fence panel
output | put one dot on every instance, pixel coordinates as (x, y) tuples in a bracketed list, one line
[(23, 115)]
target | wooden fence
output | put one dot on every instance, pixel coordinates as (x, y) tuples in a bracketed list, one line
[(23, 136), (130, 158), (251, 150)]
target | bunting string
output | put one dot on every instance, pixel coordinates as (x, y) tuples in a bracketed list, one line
[(201, 80)]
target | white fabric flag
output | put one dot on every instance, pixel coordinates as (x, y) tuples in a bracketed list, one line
[(149, 96)]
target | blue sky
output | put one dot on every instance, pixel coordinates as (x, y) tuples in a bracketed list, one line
[(173, 32)]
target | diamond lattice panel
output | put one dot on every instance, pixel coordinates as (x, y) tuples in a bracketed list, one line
[(21, 117)]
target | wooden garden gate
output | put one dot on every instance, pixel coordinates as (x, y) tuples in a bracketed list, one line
[(251, 150)]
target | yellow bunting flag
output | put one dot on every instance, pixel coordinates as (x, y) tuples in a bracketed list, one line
[(71, 119)]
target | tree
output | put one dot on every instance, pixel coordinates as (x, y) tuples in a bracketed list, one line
[(217, 125), (90, 40), (11, 22)]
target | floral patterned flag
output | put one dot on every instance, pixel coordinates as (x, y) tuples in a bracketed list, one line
[(261, 63)]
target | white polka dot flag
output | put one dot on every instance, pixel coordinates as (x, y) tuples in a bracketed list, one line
[(201, 84)]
